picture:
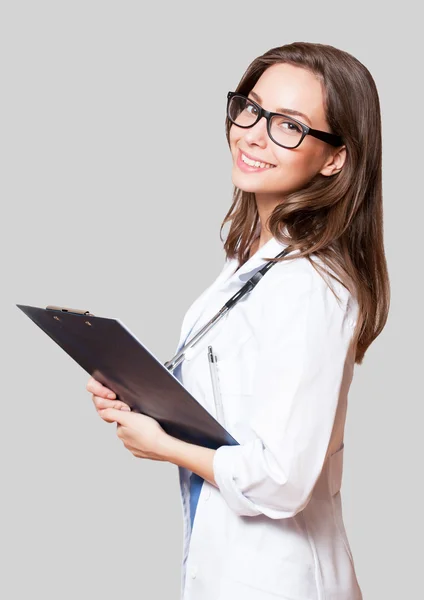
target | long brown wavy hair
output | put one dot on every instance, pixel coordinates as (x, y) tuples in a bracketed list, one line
[(339, 219)]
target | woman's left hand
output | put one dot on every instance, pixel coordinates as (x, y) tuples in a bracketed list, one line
[(140, 434)]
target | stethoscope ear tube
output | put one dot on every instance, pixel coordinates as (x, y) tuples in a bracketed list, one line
[(246, 289)]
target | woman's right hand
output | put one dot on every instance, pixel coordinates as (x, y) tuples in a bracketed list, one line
[(103, 397)]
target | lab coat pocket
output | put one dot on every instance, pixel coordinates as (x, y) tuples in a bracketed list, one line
[(253, 576)]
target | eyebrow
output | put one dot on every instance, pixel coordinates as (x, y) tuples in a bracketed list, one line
[(287, 111)]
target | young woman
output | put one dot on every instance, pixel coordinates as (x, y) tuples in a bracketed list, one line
[(303, 126)]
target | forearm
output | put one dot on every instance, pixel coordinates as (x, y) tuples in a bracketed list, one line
[(195, 458)]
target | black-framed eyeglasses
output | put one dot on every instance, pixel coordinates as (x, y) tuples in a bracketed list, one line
[(282, 129)]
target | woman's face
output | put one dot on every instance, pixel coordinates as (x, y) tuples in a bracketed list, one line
[(280, 87)]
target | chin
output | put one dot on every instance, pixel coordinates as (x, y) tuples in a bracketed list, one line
[(246, 183)]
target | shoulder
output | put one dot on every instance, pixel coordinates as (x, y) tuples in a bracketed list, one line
[(298, 283)]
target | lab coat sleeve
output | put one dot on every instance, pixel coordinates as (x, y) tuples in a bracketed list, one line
[(304, 338)]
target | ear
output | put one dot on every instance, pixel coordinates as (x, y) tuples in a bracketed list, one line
[(334, 162)]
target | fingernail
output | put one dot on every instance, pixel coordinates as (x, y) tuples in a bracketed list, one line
[(126, 408), (111, 395)]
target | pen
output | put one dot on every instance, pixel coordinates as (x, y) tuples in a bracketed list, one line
[(215, 387)]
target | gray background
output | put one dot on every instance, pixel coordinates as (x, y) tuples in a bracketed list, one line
[(115, 178)]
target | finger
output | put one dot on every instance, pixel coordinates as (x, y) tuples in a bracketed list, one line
[(112, 415), (100, 403), (95, 387)]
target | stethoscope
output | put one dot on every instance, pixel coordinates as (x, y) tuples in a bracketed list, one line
[(246, 289)]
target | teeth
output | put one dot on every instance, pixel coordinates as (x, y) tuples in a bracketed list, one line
[(256, 163)]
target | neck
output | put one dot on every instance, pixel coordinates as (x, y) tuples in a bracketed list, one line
[(265, 204)]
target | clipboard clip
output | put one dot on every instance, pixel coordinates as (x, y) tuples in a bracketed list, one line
[(73, 311)]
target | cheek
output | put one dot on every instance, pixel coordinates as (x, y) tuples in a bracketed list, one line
[(297, 167), (235, 136)]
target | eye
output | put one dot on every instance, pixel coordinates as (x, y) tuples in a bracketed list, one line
[(290, 126), (251, 109), (284, 126)]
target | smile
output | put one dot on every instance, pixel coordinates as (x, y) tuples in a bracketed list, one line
[(246, 163)]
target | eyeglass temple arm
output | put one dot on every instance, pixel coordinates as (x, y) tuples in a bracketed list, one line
[(330, 138)]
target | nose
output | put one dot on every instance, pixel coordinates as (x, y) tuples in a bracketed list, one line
[(257, 134)]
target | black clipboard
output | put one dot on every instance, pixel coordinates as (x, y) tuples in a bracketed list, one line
[(109, 352)]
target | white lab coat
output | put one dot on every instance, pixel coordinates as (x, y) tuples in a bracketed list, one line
[(274, 527)]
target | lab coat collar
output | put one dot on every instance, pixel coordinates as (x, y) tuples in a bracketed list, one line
[(270, 249)]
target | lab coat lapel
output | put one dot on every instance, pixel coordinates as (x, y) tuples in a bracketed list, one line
[(229, 281), (196, 309)]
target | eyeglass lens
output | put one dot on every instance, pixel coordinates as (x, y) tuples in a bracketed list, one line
[(283, 130)]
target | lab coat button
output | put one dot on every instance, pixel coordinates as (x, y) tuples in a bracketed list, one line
[(193, 572), (207, 493)]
